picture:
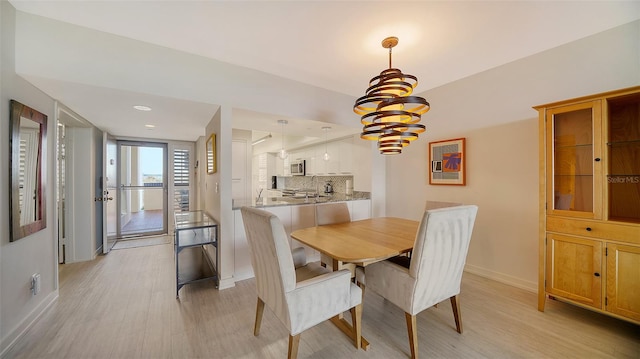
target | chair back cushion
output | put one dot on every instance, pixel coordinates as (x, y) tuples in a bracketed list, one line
[(330, 213), (271, 258), (439, 254)]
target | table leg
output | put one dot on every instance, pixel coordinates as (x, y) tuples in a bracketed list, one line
[(347, 328)]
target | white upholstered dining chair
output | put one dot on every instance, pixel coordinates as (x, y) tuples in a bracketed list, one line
[(300, 295), (434, 271), (333, 213)]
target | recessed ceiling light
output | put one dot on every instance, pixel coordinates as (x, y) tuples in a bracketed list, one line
[(150, 126), (142, 108)]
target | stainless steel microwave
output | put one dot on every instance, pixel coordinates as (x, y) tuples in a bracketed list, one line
[(297, 168)]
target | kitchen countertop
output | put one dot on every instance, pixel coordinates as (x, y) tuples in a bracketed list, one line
[(295, 201)]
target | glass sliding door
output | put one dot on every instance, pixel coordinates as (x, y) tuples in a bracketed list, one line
[(142, 177)]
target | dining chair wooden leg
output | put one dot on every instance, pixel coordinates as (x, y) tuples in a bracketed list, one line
[(362, 287), (294, 340), (356, 319), (412, 330), (360, 279), (455, 305), (259, 311)]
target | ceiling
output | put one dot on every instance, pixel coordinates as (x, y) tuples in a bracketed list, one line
[(333, 45)]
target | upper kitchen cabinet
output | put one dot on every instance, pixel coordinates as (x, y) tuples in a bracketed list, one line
[(590, 202), (340, 158), (332, 165), (345, 153), (276, 166)]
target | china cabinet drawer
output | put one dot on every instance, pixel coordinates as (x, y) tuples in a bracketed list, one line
[(595, 229)]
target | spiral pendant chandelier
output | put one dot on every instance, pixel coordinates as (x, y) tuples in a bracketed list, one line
[(389, 113)]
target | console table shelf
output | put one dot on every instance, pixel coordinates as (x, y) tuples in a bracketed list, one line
[(193, 232)]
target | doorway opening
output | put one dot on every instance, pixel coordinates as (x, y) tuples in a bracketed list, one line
[(142, 183)]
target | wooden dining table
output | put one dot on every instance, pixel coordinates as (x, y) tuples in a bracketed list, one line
[(361, 243)]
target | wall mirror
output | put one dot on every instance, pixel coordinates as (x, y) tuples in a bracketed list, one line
[(28, 143)]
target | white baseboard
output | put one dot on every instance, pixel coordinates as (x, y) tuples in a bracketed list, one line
[(237, 277), (226, 283), (502, 278), (19, 331)]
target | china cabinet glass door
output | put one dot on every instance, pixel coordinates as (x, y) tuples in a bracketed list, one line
[(623, 146), (575, 154)]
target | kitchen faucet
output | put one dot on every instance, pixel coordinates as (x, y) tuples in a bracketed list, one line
[(259, 198)]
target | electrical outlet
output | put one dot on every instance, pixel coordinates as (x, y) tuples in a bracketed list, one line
[(35, 284)]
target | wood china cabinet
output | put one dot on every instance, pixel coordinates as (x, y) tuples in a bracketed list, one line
[(590, 203)]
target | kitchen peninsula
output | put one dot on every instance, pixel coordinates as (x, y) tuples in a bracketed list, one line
[(294, 213), (293, 186), (266, 202)]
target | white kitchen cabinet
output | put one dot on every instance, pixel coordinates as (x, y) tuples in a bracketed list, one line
[(284, 214), (304, 216), (313, 166), (318, 163), (279, 166), (332, 166), (360, 209), (293, 218), (242, 268), (341, 158), (296, 156), (345, 156)]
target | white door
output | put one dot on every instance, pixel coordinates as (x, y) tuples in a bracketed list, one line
[(109, 192)]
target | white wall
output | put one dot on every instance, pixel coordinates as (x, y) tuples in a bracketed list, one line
[(502, 160), (36, 253), (216, 193)]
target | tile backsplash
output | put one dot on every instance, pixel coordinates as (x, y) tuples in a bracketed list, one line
[(339, 183)]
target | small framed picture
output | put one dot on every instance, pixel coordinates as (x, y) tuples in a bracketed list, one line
[(447, 162)]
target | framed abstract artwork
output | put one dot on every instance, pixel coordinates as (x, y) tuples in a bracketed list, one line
[(447, 162)]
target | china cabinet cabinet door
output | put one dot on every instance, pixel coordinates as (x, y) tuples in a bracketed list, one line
[(623, 147), (574, 269), (575, 154), (623, 280)]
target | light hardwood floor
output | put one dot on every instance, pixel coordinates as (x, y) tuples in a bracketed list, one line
[(123, 305)]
